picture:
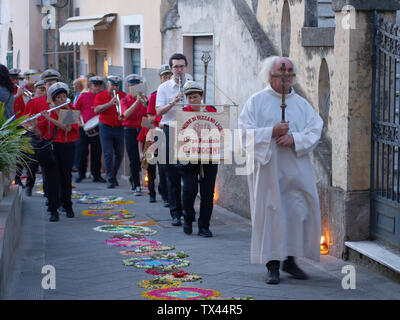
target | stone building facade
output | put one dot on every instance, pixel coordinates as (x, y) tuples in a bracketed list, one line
[(332, 44)]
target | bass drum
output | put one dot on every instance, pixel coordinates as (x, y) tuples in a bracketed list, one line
[(92, 127)]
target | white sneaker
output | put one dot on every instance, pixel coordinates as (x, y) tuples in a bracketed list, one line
[(138, 191)]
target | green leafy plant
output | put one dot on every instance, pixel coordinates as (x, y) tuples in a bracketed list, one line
[(14, 146)]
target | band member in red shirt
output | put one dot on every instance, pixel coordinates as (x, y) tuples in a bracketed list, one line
[(111, 130), (59, 174), (165, 74), (194, 94), (134, 109), (35, 106), (85, 104), (19, 103)]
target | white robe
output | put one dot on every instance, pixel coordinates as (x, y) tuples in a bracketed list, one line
[(285, 212)]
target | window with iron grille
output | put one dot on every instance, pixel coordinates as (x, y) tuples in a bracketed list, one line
[(134, 34)]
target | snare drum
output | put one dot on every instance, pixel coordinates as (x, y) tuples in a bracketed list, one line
[(92, 127)]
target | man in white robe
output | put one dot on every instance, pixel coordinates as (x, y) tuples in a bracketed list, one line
[(285, 211)]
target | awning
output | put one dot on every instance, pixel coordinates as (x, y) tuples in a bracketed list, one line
[(79, 30)]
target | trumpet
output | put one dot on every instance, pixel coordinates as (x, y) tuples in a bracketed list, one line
[(26, 92), (118, 106), (50, 110)]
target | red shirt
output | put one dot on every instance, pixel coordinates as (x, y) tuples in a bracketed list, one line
[(109, 116), (151, 109), (135, 120), (208, 109), (37, 105), (85, 104), (142, 135), (19, 105), (47, 127)]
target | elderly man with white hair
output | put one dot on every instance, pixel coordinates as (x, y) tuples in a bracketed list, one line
[(285, 212)]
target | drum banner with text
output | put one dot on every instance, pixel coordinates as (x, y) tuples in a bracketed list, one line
[(202, 136)]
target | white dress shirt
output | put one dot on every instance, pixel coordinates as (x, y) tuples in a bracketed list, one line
[(166, 93)]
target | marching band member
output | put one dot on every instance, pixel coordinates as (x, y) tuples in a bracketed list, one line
[(31, 76), (35, 106), (19, 106), (165, 74), (85, 104), (194, 94), (111, 130), (133, 110), (59, 174), (169, 94), (40, 89)]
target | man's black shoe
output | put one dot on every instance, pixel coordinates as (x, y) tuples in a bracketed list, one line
[(292, 268), (99, 179), (205, 232), (176, 222), (152, 198), (28, 192), (187, 227), (273, 272), (79, 179), (70, 213), (110, 185), (166, 204), (116, 182), (54, 217)]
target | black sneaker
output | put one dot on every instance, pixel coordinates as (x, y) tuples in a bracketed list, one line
[(152, 198), (166, 204), (292, 268), (79, 179), (176, 222), (187, 227), (70, 213), (110, 185), (28, 192), (273, 272), (99, 179), (54, 216), (205, 232)]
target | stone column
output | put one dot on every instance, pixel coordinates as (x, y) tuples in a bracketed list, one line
[(351, 115)]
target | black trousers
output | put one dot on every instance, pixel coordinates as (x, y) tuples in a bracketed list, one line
[(191, 182), (163, 184), (59, 176), (151, 174), (83, 152), (132, 148)]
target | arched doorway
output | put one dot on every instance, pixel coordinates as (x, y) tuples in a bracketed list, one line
[(286, 30)]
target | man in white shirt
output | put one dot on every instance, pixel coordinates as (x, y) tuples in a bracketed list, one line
[(169, 94)]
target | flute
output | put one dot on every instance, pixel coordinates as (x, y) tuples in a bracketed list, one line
[(50, 110)]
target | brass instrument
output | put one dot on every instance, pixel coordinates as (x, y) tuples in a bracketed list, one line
[(26, 92), (181, 89), (50, 110), (118, 106)]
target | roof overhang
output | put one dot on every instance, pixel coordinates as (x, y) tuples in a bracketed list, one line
[(79, 30)]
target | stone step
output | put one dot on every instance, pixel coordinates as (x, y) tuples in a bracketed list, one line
[(379, 252)]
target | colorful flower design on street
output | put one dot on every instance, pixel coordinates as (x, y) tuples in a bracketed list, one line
[(117, 217), (121, 202), (181, 276), (105, 206), (131, 243), (137, 253), (158, 284), (98, 200), (104, 213), (171, 255), (128, 230), (165, 264), (79, 195), (157, 248), (140, 223), (181, 294)]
